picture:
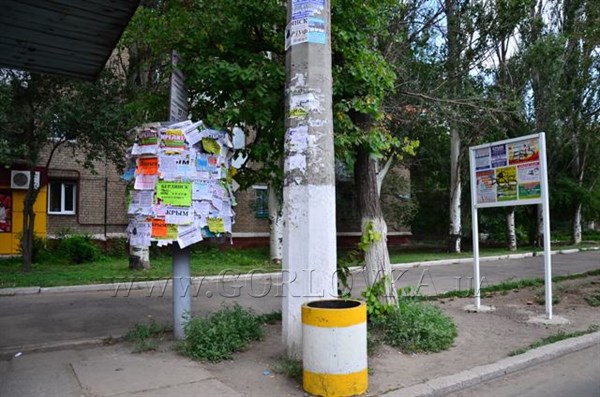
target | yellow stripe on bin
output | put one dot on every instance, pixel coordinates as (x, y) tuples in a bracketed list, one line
[(335, 385), (333, 318)]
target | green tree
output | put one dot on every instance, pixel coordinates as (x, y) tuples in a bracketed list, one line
[(41, 113)]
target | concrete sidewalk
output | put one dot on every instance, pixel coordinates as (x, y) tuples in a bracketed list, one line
[(113, 371), (50, 341), (107, 371)]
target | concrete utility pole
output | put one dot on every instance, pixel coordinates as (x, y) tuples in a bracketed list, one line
[(309, 240)]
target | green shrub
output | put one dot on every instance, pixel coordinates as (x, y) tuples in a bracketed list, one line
[(218, 336), (78, 249), (417, 326), (116, 247), (39, 247)]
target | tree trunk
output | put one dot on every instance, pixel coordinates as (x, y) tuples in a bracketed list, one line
[(275, 225), (510, 229), (577, 224), (29, 222), (454, 76), (377, 259), (454, 237)]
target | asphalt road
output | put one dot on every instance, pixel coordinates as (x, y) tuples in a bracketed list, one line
[(576, 374), (48, 318)]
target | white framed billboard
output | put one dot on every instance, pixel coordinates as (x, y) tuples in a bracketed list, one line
[(507, 173)]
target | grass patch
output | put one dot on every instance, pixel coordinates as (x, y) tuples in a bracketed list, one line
[(146, 337), (553, 339), (54, 270), (218, 336), (513, 285)]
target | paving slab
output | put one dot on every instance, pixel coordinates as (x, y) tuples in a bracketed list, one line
[(205, 388), (121, 372), (52, 381)]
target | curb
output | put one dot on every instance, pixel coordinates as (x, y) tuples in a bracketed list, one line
[(483, 373), (10, 351), (137, 285)]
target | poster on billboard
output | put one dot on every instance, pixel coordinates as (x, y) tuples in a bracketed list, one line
[(507, 172)]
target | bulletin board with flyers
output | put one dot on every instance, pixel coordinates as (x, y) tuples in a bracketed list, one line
[(180, 177)]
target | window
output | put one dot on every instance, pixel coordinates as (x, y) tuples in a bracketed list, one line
[(61, 198), (261, 204)]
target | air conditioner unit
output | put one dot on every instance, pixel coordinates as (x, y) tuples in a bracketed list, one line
[(20, 179)]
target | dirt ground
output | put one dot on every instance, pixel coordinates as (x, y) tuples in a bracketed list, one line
[(483, 338)]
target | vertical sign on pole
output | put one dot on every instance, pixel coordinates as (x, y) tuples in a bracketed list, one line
[(309, 239), (509, 173), (182, 300)]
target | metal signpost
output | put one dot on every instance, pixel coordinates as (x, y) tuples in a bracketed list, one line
[(182, 299), (509, 173)]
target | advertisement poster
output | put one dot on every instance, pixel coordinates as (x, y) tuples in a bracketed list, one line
[(306, 8), (523, 151), (498, 155), (506, 182), (486, 187), (316, 31), (530, 190), (482, 159), (529, 172), (5, 211)]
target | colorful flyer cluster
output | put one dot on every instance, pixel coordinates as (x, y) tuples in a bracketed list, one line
[(508, 171), (305, 26), (180, 184)]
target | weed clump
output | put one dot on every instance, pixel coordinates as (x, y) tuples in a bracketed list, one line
[(411, 326), (146, 337), (219, 335)]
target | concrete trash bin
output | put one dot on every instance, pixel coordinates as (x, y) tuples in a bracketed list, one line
[(334, 347)]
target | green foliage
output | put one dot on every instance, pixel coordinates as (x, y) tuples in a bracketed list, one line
[(146, 337), (553, 339), (116, 247), (372, 294), (218, 336), (234, 61), (416, 326), (593, 299), (368, 237), (78, 249)]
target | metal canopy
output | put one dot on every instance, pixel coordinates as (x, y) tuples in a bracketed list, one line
[(72, 38)]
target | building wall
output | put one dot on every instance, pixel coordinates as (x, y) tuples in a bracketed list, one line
[(100, 197)]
